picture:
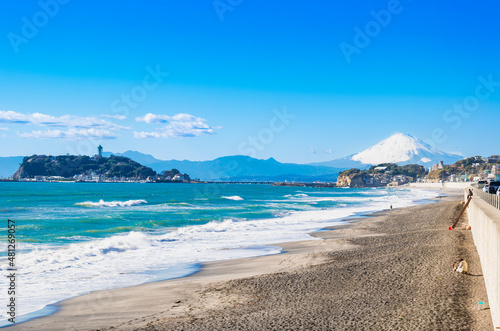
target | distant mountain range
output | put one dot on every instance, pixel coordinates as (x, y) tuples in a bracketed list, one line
[(400, 148), (238, 168), (144, 159)]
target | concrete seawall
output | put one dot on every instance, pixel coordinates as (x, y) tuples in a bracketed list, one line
[(484, 220), (449, 185)]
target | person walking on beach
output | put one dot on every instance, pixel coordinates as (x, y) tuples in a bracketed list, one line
[(461, 266), (470, 194), (391, 207)]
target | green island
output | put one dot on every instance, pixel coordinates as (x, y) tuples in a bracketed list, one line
[(83, 168)]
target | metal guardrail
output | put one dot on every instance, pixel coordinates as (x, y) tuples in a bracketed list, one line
[(492, 199)]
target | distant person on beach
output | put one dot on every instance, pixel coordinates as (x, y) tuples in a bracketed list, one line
[(461, 266), (470, 194), (391, 207)]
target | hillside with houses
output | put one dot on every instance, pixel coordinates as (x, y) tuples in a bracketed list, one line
[(389, 174), (385, 174), (470, 169)]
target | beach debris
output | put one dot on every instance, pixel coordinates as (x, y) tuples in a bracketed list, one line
[(461, 266), (468, 227), (480, 305), (178, 301)]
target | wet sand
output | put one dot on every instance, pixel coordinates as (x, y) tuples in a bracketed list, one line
[(391, 271)]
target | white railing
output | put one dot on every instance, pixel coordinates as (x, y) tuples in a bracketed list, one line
[(492, 199)]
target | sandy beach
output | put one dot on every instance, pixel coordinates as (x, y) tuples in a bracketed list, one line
[(390, 271)]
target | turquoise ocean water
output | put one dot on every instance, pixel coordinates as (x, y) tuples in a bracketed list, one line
[(74, 238)]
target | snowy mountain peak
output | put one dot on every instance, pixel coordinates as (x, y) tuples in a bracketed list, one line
[(403, 149)]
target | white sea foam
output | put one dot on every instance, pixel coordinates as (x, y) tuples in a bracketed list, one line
[(299, 195), (103, 203), (51, 274), (234, 197)]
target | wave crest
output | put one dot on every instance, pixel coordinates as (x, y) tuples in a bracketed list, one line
[(103, 203), (234, 197)]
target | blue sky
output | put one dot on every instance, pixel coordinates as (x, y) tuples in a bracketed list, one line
[(301, 82)]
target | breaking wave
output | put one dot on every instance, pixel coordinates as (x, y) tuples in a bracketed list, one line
[(103, 203), (234, 197)]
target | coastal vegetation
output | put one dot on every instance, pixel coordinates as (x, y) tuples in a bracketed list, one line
[(411, 170), (381, 175), (472, 166), (437, 175)]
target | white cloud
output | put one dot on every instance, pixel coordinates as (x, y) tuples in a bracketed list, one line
[(4, 129), (118, 117), (144, 134), (71, 134), (11, 117), (152, 118), (177, 126)]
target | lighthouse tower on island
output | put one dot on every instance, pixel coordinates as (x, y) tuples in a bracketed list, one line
[(99, 151)]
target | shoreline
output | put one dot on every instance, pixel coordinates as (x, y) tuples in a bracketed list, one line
[(286, 247), (207, 272), (292, 257), (392, 272)]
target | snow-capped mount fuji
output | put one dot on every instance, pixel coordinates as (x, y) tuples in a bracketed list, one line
[(401, 149)]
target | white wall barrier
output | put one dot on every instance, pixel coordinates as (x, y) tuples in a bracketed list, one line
[(484, 220)]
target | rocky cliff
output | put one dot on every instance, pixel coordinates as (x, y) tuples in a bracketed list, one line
[(350, 180)]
